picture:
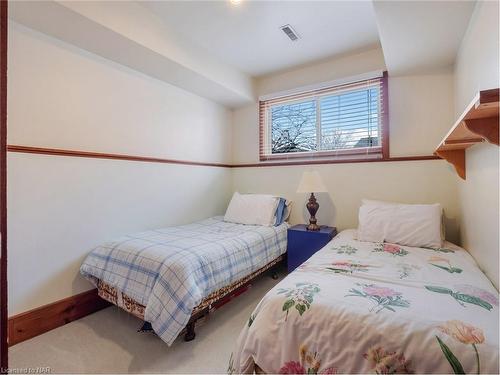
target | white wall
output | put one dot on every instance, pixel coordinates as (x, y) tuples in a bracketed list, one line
[(477, 68), (410, 182), (80, 101), (323, 71), (61, 207), (420, 111)]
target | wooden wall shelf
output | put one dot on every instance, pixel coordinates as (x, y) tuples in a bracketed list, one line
[(478, 123)]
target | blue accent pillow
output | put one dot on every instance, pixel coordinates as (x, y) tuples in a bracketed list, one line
[(280, 212)]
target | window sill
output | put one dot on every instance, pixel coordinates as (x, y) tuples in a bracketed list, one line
[(367, 153), (324, 161)]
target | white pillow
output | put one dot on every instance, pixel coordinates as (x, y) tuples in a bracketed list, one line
[(417, 225), (253, 209), (443, 227)]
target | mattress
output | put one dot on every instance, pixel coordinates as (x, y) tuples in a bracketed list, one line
[(171, 270), (362, 307)]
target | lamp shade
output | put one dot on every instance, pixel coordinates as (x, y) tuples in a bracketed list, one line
[(311, 182)]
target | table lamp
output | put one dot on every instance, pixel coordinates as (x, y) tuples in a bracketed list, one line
[(311, 182)]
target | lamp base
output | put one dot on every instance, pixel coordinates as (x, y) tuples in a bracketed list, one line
[(312, 207), (313, 227)]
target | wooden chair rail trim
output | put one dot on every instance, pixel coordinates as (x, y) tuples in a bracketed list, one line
[(100, 155), (42, 319)]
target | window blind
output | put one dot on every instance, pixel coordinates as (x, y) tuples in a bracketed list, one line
[(338, 121)]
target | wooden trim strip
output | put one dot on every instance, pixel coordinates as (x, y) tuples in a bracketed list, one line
[(3, 186), (101, 155), (385, 117), (338, 161), (262, 122), (98, 155), (34, 322)]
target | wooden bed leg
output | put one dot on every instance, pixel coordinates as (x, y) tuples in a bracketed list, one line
[(190, 334), (275, 274)]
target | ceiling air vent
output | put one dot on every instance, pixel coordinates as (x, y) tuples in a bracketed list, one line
[(287, 29)]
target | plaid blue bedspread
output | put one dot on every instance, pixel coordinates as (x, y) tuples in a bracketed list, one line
[(171, 270)]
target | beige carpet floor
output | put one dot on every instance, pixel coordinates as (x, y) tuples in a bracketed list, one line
[(108, 342)]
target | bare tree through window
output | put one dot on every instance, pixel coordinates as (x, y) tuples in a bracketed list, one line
[(293, 127), (334, 139)]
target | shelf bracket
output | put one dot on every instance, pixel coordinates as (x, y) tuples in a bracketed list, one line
[(478, 123), (455, 157), (486, 128)]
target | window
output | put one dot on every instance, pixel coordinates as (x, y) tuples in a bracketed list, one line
[(333, 122)]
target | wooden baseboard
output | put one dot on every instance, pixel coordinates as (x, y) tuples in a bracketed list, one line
[(45, 318)]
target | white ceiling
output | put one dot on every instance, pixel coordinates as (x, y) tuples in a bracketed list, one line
[(421, 36), (214, 48), (248, 35)]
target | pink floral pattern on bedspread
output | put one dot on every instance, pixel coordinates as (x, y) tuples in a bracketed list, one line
[(383, 297), (309, 363), (390, 249)]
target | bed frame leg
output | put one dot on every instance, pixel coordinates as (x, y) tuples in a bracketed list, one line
[(190, 334), (146, 327), (278, 266)]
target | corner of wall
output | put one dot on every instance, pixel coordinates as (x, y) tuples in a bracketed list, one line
[(476, 68)]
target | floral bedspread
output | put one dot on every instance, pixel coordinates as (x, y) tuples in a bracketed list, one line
[(361, 307)]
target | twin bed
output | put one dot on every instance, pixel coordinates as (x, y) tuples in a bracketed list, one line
[(362, 307), (171, 277), (354, 307)]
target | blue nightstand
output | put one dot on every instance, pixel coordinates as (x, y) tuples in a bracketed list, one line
[(302, 244)]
